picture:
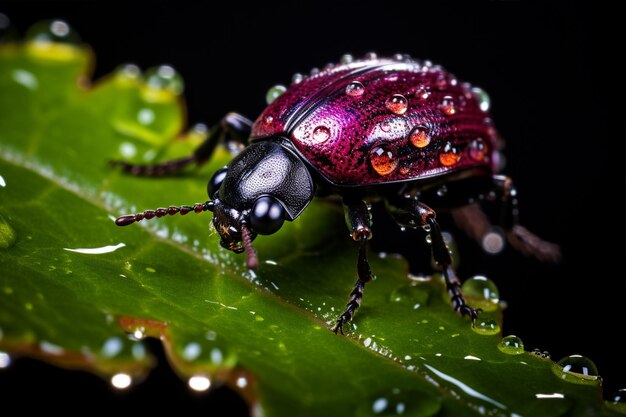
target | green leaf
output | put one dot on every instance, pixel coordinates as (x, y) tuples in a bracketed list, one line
[(73, 286)]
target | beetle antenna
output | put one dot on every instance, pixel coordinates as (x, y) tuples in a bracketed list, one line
[(160, 212), (252, 260)]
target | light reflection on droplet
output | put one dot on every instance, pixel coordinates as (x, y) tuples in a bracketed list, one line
[(26, 79), (199, 383), (51, 348), (145, 116), (3, 183), (216, 356), (111, 347), (138, 334), (97, 251), (242, 382), (379, 405), (121, 381), (191, 351), (553, 395), (5, 360)]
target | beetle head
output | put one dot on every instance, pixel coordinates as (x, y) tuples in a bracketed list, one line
[(255, 193)]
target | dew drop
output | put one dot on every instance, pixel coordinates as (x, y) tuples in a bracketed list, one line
[(355, 89), (127, 72), (49, 31), (447, 106), (164, 77), (579, 366), (410, 295), (397, 104), (511, 345), (371, 55), (121, 381), (383, 159), (486, 327), (397, 402), (320, 134), (449, 155), (199, 383), (478, 149), (482, 97), (481, 292), (297, 78), (7, 234), (5, 360), (422, 93), (619, 397), (419, 136), (346, 59), (274, 92)]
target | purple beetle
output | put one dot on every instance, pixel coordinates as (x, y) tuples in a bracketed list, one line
[(392, 131)]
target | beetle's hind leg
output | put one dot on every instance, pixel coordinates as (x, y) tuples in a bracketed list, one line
[(234, 129), (410, 212), (359, 221), (475, 223)]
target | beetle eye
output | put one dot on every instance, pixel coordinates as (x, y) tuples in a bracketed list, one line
[(215, 181), (267, 215)]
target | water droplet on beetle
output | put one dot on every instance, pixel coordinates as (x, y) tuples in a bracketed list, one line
[(579, 366), (8, 236), (5, 360), (486, 327), (442, 191), (355, 89), (398, 57), (164, 78), (199, 383), (449, 155), (493, 242), (397, 104), (481, 292), (314, 71), (371, 55), (410, 295), (484, 102), (422, 93), (346, 59), (419, 136), (429, 239), (478, 149), (268, 119), (383, 159), (320, 134), (511, 345), (618, 397), (274, 92), (121, 381), (447, 106), (297, 78)]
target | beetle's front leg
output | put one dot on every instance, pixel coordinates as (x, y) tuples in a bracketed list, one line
[(233, 128), (359, 221), (409, 212)]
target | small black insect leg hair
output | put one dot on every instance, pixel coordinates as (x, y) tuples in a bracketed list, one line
[(160, 212)]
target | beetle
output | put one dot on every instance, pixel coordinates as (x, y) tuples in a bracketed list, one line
[(395, 131)]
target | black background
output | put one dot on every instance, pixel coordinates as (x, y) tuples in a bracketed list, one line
[(553, 97)]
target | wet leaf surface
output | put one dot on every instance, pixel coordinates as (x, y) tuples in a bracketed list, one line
[(77, 291)]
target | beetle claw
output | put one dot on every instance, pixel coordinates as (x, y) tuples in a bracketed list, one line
[(338, 327), (466, 310)]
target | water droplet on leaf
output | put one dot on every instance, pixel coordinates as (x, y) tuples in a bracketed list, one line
[(164, 78), (481, 292), (579, 366), (619, 397), (399, 402), (511, 345), (8, 236), (486, 327)]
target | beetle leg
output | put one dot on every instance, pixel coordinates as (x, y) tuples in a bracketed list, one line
[(518, 236), (234, 129), (359, 221), (409, 212)]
